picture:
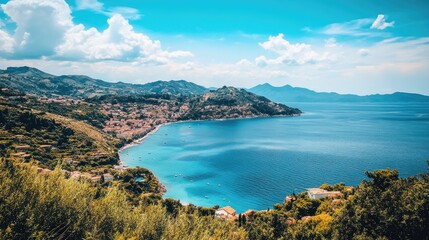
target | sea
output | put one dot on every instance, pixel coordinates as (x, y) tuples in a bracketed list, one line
[(255, 163)]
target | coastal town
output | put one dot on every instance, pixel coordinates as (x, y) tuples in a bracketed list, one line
[(133, 120)]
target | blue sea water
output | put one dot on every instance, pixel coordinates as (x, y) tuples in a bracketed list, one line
[(255, 163)]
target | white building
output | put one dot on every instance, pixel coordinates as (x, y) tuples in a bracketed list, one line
[(317, 193), (107, 177), (226, 212)]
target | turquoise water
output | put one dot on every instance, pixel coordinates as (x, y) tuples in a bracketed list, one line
[(254, 163)]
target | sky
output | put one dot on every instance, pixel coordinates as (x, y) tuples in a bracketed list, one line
[(354, 46)]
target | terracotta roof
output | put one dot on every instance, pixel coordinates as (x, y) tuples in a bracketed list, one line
[(229, 210), (249, 212)]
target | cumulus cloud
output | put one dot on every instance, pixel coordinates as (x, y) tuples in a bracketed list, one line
[(299, 53), (47, 30), (6, 42), (40, 29), (118, 42), (380, 23)]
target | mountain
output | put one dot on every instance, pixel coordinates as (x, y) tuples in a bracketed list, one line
[(33, 81), (288, 93), (174, 87), (230, 102)]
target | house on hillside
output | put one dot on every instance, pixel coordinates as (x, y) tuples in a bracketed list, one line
[(22, 147), (317, 193), (45, 146), (95, 178), (226, 213), (108, 177), (98, 171)]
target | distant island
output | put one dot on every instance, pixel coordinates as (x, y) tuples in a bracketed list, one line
[(288, 93)]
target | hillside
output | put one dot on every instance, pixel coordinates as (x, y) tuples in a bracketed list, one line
[(47, 139), (131, 117), (288, 93), (33, 81), (382, 207), (230, 102)]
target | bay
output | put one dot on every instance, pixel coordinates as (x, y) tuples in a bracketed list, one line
[(255, 163)]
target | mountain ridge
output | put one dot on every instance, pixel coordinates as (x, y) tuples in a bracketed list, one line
[(288, 93), (34, 81)]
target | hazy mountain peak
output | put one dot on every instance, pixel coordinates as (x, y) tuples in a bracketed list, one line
[(27, 71), (289, 93)]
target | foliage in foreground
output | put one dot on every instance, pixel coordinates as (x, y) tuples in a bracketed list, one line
[(384, 207), (49, 206)]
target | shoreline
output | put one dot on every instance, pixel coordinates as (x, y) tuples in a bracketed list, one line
[(157, 127), (141, 139)]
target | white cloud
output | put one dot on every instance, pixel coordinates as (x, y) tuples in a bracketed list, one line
[(262, 61), (94, 5), (299, 53), (331, 43), (127, 12), (118, 42), (89, 4), (358, 27), (400, 64), (6, 42), (47, 30), (352, 28), (40, 29), (363, 52), (244, 62), (380, 23)]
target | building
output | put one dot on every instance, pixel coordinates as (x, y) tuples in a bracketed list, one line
[(290, 198), (108, 177), (95, 178), (226, 213), (22, 147), (317, 193), (97, 171), (45, 146)]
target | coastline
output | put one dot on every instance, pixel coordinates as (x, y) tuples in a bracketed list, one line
[(157, 127), (163, 188), (138, 141)]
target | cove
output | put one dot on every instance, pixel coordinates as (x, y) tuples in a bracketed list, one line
[(255, 163)]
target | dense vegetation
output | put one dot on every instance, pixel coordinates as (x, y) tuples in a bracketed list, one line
[(34, 136), (45, 139), (50, 206), (229, 102), (384, 207)]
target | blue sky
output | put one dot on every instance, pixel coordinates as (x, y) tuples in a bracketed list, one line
[(361, 47)]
